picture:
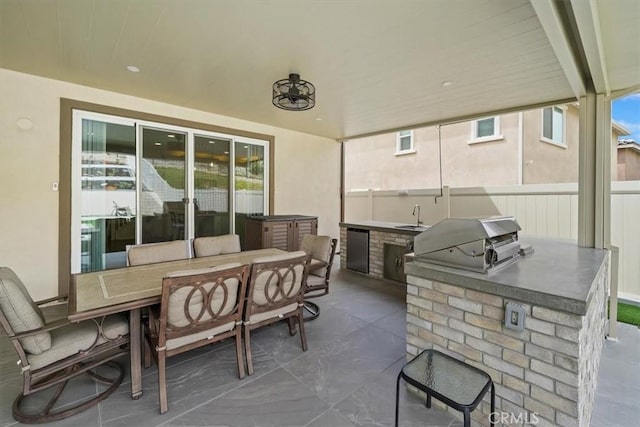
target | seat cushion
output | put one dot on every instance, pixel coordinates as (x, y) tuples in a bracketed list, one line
[(151, 253), (265, 282), (209, 333), (21, 312), (259, 317), (74, 337), (319, 247), (216, 245), (177, 300)]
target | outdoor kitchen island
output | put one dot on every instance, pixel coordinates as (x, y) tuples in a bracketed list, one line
[(546, 373)]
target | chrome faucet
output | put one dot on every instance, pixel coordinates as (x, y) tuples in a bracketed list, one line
[(417, 208)]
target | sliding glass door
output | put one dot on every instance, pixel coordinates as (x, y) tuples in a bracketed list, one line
[(211, 185), (250, 180), (104, 191), (163, 184), (141, 182)]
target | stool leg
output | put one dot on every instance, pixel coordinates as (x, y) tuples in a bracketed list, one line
[(493, 405), (428, 403), (467, 418), (397, 397)]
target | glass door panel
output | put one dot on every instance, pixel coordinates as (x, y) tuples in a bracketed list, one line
[(107, 189), (211, 186), (250, 172), (163, 183)]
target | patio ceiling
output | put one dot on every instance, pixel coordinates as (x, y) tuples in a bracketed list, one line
[(377, 65)]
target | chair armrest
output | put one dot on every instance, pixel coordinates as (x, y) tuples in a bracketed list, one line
[(318, 266), (48, 300), (46, 328)]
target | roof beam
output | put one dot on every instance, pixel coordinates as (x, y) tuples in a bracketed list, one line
[(557, 33), (588, 22)]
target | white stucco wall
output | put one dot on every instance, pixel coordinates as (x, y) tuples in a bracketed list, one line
[(307, 170)]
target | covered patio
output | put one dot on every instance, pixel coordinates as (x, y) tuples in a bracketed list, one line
[(378, 67), (346, 378)]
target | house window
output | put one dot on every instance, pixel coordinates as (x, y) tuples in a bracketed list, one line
[(404, 142), (553, 125), (487, 129)]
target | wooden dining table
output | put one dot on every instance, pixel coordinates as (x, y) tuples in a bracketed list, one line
[(129, 289)]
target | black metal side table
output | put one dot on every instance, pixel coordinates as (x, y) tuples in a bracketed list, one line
[(455, 383)]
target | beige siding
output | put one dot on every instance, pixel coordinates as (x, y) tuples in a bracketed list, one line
[(543, 162), (307, 173)]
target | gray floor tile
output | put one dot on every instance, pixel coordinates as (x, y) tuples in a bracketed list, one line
[(336, 370), (276, 399), (346, 378)]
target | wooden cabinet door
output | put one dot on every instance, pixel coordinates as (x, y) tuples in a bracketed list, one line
[(302, 227), (280, 235)]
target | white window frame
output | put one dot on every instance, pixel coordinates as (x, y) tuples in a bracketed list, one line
[(399, 150), (563, 142), (497, 134)]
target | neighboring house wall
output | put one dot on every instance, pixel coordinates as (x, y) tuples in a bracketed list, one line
[(466, 163), (519, 156), (545, 162), (628, 163)]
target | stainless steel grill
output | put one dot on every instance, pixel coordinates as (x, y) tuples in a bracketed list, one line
[(482, 245)]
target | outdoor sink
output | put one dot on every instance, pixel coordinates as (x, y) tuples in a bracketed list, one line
[(412, 227)]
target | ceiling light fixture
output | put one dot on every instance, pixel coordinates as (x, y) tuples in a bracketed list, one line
[(294, 94), (446, 83), (133, 68)]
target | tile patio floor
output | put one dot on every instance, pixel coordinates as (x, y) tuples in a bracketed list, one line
[(345, 379)]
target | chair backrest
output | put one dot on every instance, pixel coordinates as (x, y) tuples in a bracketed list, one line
[(202, 302), (321, 248), (18, 313), (276, 282), (216, 245), (151, 253)]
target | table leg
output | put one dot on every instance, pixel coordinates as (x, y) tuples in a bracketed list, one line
[(397, 397), (134, 349)]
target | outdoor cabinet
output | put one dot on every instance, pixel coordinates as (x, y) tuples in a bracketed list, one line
[(278, 231)]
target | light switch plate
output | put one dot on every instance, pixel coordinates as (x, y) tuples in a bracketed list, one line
[(514, 316)]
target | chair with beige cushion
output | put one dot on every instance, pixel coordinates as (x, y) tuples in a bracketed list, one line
[(275, 293), (322, 250), (198, 307), (50, 353), (151, 253), (216, 245)]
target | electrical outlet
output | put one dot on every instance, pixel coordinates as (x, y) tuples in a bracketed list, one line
[(514, 316), (54, 186)]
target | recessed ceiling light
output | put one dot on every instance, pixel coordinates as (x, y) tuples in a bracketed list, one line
[(319, 119), (212, 142), (246, 146), (133, 68), (171, 136), (158, 143), (446, 83), (226, 152)]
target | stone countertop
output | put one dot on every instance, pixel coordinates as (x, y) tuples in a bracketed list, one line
[(389, 227), (558, 275)]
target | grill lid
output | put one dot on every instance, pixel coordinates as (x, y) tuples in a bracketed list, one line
[(452, 232)]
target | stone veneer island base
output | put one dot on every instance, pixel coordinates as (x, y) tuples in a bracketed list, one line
[(545, 375)]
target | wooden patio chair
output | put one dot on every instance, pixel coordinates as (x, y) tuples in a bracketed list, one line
[(51, 353), (322, 250), (198, 307), (275, 293)]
